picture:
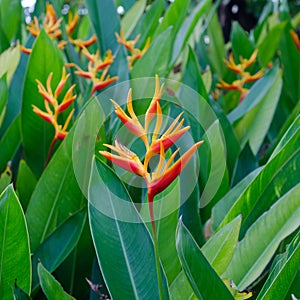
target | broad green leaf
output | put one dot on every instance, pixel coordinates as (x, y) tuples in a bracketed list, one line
[(252, 118), (174, 16), (181, 289), (10, 26), (5, 179), (79, 263), (25, 184), (219, 249), (56, 248), (283, 273), (266, 234), (245, 164), (37, 134), (4, 42), (3, 97), (203, 279), (290, 60), (189, 212), (268, 47), (131, 18), (15, 92), (9, 143), (149, 22), (276, 178), (14, 244), (9, 60), (166, 209), (106, 22), (50, 286), (188, 27), (56, 196), (295, 126), (155, 60), (192, 75), (241, 44), (215, 47), (122, 242)]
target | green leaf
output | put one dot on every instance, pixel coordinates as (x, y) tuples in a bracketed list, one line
[(266, 234), (290, 60), (14, 244), (25, 184), (10, 26), (9, 143), (37, 134), (241, 44), (155, 60), (19, 294), (181, 289), (220, 210), (149, 22), (219, 249), (192, 75), (47, 210), (275, 179), (79, 263), (9, 60), (202, 277), (56, 248), (269, 45), (188, 27), (123, 244), (5, 179), (106, 22), (246, 163), (283, 273), (50, 286), (216, 48), (166, 209), (132, 17), (3, 97), (252, 118), (174, 16)]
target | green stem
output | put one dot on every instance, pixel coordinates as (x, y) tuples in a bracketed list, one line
[(50, 151), (154, 235)]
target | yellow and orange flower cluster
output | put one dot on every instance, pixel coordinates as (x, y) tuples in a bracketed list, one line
[(51, 25), (97, 69), (244, 76), (53, 107), (166, 171), (135, 53)]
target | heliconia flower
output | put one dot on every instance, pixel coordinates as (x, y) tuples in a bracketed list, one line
[(165, 172), (135, 53), (295, 38), (244, 63), (50, 98), (125, 159), (164, 176), (152, 109), (96, 67), (72, 22), (245, 77), (131, 121), (25, 50)]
